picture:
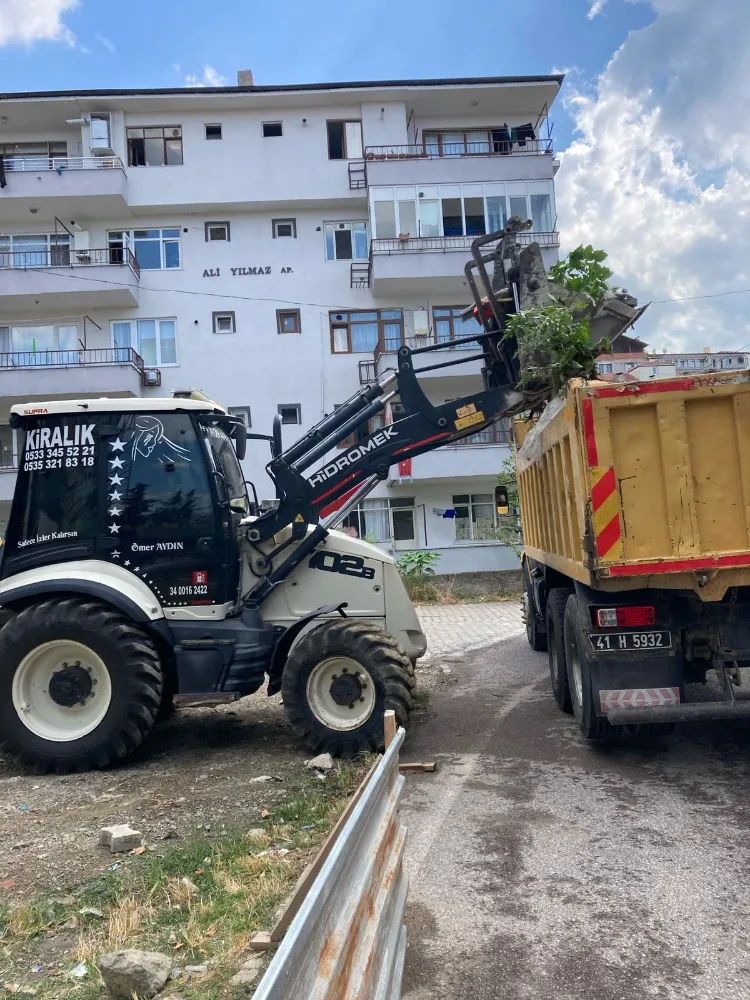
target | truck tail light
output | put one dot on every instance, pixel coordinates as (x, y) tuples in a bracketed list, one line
[(626, 617)]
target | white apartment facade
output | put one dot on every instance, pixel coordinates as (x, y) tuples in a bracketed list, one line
[(272, 246)]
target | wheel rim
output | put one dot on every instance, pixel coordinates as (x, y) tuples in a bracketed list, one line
[(575, 668), (61, 690), (341, 693)]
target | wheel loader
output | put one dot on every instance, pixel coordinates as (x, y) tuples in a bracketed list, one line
[(137, 571)]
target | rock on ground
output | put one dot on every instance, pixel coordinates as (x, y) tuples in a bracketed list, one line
[(323, 762), (248, 972), (133, 972), (120, 837)]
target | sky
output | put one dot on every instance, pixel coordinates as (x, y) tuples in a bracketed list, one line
[(651, 126)]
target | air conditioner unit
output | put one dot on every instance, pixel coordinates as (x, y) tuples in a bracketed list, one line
[(100, 133), (82, 241)]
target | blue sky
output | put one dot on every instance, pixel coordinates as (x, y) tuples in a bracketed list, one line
[(160, 43)]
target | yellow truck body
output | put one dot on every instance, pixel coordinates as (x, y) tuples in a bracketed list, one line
[(634, 485)]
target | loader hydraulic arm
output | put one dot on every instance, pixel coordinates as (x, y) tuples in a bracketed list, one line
[(311, 483)]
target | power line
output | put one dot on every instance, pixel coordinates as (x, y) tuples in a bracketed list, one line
[(320, 305), (692, 298)]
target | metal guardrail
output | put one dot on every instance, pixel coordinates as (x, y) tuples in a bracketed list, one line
[(79, 358), (348, 939), (451, 150), (446, 244), (18, 163), (67, 256)]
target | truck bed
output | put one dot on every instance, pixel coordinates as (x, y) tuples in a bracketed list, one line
[(627, 485)]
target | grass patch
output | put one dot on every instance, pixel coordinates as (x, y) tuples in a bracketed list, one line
[(199, 899), (427, 591)]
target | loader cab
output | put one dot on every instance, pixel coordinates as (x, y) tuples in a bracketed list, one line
[(153, 486)]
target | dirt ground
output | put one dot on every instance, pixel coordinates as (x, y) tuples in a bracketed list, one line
[(196, 769)]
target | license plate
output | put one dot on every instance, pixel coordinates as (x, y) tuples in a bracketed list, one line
[(610, 642)]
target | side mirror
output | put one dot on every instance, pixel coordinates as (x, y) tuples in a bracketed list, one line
[(240, 439), (276, 445), (501, 500)]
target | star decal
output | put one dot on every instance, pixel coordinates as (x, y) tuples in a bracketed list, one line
[(116, 463), (115, 553), (136, 568), (114, 529), (116, 479), (127, 562), (117, 445), (115, 495), (115, 511)]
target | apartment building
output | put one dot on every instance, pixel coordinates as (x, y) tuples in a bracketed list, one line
[(273, 246), (643, 366)]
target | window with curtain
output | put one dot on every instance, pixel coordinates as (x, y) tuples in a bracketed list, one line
[(154, 339), (154, 249), (450, 326), (475, 517), (360, 331), (382, 520)]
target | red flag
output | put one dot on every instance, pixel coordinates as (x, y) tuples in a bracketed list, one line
[(404, 468)]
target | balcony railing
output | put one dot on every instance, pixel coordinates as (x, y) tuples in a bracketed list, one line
[(499, 433), (73, 359), (62, 256), (61, 163), (446, 244), (446, 151)]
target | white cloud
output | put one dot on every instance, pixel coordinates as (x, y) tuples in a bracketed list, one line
[(28, 21), (107, 43), (596, 8), (210, 78), (659, 171)]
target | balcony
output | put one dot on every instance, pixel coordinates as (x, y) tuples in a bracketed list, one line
[(116, 371), (480, 455), (66, 280), (430, 163), (428, 264), (92, 187)]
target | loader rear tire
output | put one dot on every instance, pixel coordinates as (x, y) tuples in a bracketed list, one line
[(80, 686), (339, 680)]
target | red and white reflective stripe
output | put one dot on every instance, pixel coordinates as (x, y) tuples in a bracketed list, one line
[(639, 698)]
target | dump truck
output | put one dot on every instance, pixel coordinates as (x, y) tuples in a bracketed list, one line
[(635, 506)]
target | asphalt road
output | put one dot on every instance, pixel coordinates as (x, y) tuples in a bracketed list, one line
[(544, 867)]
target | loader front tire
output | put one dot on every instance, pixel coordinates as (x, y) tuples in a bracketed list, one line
[(339, 680), (80, 685)]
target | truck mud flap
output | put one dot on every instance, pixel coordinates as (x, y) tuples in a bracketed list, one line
[(685, 712), (631, 683)]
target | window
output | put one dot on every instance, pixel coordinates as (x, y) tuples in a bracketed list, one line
[(224, 322), (360, 331), (288, 321), (154, 249), (460, 209), (290, 413), (217, 231), (284, 227), (43, 154), (383, 520), (154, 339), (241, 411), (605, 369), (213, 132), (272, 129), (31, 344), (344, 140), (155, 146), (45, 250), (475, 517), (11, 446), (449, 326), (346, 241)]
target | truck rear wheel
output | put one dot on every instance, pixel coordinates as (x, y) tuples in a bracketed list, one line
[(339, 680), (556, 602), (592, 726), (80, 685)]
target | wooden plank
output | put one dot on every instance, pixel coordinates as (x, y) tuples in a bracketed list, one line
[(390, 727), (310, 873), (422, 766)]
